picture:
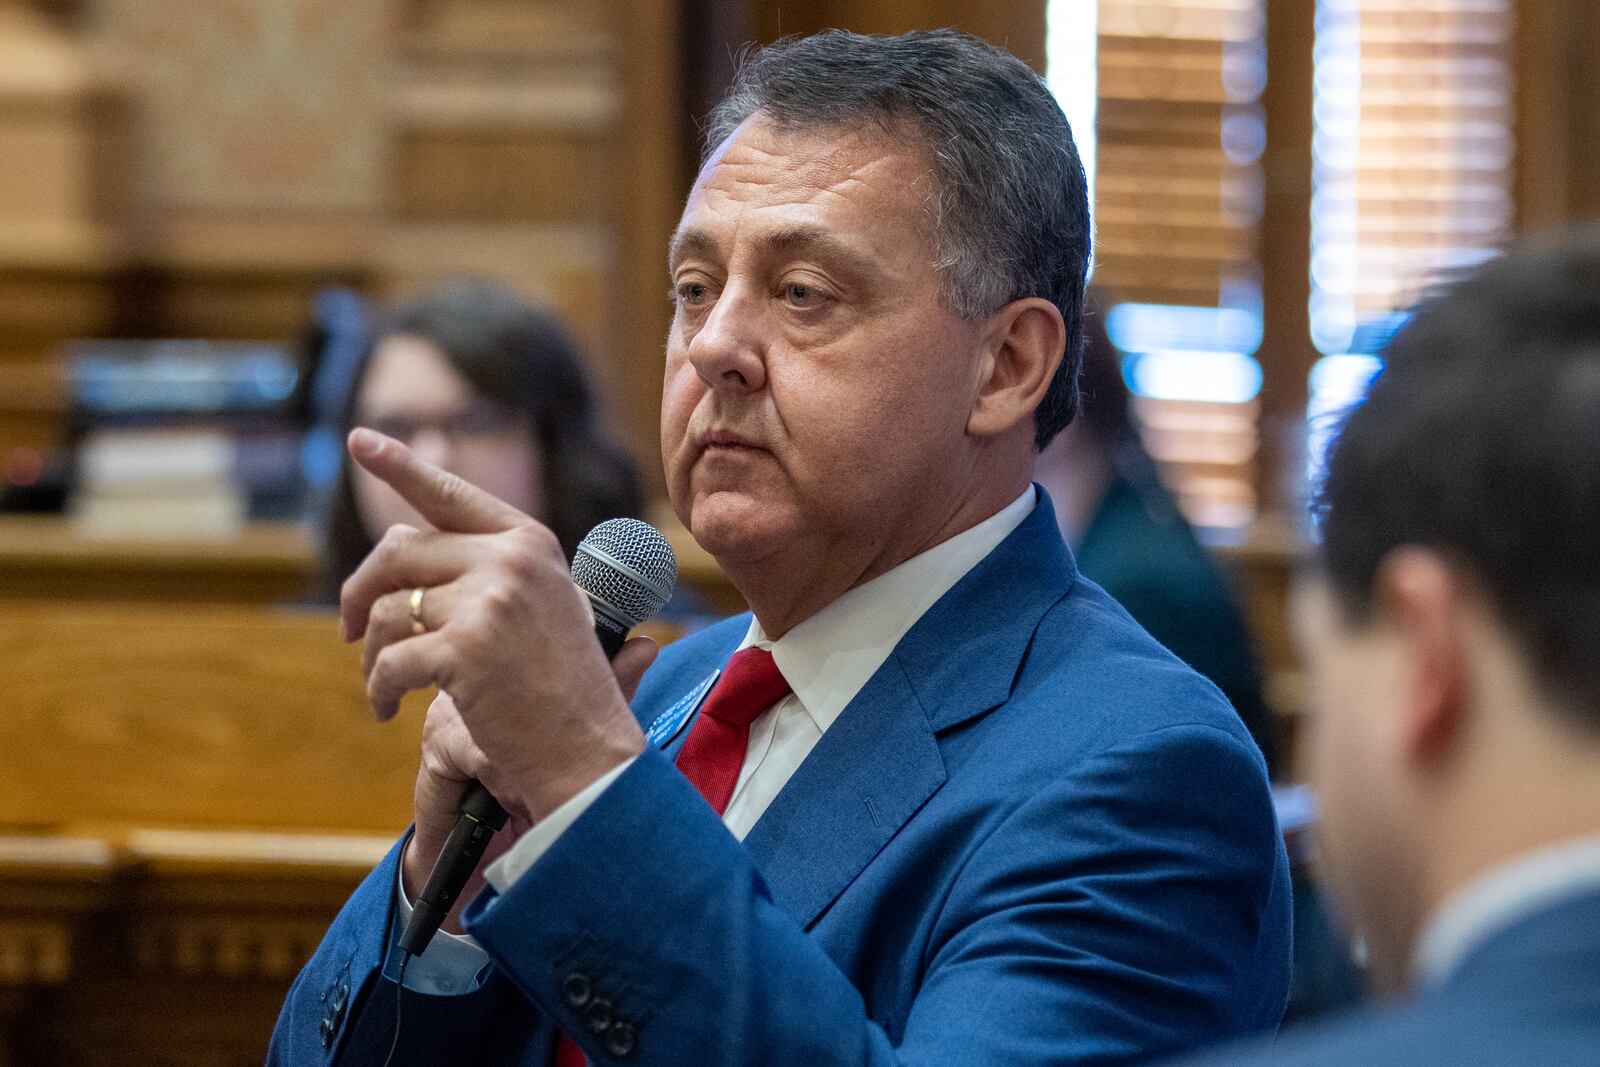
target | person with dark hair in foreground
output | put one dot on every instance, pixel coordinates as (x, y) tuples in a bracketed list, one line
[(1452, 640), (938, 800), (483, 383)]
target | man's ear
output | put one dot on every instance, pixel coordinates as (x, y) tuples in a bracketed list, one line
[(1022, 347), (1421, 598)]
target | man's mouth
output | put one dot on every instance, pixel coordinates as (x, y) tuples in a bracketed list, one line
[(724, 440)]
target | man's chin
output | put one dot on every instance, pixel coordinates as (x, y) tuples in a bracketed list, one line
[(737, 529)]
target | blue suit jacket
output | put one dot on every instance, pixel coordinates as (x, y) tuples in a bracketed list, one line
[(1527, 997), (1034, 837)]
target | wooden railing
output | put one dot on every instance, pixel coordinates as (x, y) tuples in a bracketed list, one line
[(48, 558), (187, 795)]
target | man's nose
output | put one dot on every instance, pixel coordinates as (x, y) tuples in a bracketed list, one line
[(729, 351)]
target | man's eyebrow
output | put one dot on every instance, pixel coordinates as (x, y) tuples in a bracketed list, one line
[(793, 240), (691, 241)]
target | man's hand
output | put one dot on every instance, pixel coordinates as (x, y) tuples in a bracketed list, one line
[(451, 761), (536, 713)]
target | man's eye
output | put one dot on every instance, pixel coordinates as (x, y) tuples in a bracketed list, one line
[(800, 294), (691, 293)]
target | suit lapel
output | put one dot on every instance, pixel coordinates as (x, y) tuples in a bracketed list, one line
[(880, 762), (868, 774), (963, 656)]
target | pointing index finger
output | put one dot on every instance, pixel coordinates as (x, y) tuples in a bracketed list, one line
[(450, 503)]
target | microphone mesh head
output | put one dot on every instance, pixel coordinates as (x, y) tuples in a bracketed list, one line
[(627, 568)]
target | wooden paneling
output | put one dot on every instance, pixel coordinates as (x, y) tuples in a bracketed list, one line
[(31, 402), (48, 883), (58, 117), (502, 176), (282, 145), (187, 796), (1286, 353), (647, 162), (57, 111), (714, 32), (1017, 25), (42, 302), (539, 142), (51, 888), (1558, 112), (160, 947), (193, 716), (251, 112), (508, 25), (46, 558), (228, 299)]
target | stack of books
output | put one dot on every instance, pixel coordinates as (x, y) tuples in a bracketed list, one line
[(182, 439), (137, 484)]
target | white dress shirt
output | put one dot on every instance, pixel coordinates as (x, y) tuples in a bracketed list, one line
[(1500, 898), (826, 659)]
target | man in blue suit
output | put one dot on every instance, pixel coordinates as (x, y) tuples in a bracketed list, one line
[(1452, 643), (937, 800)]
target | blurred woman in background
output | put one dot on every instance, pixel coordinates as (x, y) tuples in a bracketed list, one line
[(479, 381)]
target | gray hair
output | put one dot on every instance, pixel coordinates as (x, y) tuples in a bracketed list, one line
[(1009, 207)]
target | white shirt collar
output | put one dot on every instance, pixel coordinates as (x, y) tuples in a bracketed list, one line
[(828, 657), (1500, 898)]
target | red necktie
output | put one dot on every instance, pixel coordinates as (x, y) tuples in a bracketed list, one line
[(713, 753)]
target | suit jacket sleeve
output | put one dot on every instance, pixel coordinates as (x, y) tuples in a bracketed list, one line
[(1106, 919), (341, 1009)]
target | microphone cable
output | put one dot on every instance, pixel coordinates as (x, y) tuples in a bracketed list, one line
[(399, 1004)]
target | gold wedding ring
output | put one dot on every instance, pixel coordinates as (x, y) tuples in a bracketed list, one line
[(418, 627)]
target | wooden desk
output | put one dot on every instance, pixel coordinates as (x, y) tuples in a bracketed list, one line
[(50, 888), (46, 558), (193, 715), (188, 793)]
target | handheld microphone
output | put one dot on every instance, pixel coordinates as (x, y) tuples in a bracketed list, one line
[(628, 572)]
